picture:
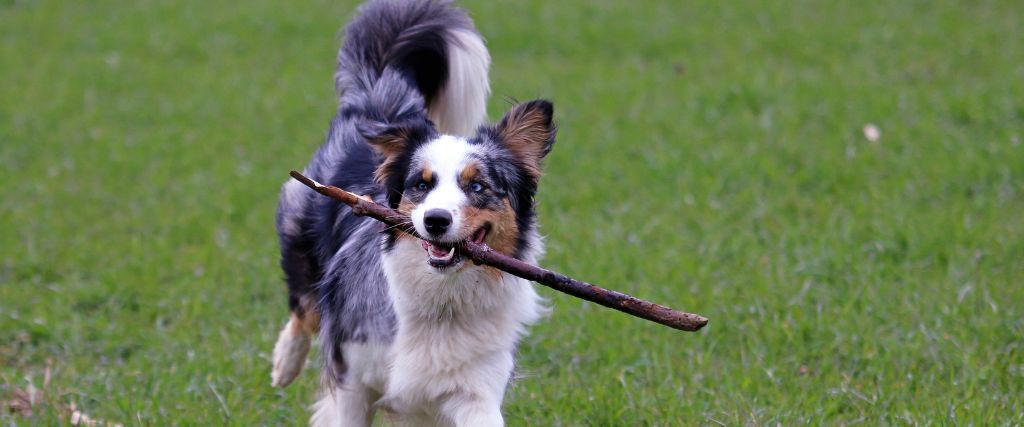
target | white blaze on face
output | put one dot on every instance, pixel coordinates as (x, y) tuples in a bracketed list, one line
[(446, 157)]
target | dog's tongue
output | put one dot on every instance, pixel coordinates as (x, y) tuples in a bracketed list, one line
[(438, 252)]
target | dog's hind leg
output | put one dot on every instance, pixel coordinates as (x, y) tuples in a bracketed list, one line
[(292, 347), (301, 273)]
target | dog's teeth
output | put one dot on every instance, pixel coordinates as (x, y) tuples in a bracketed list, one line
[(432, 252)]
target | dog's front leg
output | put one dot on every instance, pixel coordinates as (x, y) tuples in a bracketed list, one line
[(346, 406), (466, 411)]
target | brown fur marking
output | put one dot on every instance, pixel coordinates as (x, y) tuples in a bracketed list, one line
[(468, 174), (504, 232), (307, 318), (389, 145), (406, 207)]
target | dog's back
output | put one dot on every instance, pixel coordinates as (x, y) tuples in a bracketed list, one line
[(401, 62)]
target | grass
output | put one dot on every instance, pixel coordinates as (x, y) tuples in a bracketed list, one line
[(710, 157)]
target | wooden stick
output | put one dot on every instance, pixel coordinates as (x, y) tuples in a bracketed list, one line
[(483, 254)]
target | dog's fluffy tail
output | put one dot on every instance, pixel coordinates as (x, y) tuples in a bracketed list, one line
[(430, 46)]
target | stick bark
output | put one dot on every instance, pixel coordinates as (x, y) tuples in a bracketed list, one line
[(483, 254)]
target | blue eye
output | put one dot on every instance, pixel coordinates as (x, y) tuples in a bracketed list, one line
[(476, 187), (422, 186)]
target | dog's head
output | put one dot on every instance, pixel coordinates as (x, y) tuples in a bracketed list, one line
[(458, 189)]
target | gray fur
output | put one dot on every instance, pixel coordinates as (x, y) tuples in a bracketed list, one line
[(392, 62)]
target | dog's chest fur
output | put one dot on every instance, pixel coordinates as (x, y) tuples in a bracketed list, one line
[(452, 328)]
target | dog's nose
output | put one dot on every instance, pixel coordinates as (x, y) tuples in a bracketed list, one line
[(437, 221)]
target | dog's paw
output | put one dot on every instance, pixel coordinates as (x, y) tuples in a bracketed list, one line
[(289, 355)]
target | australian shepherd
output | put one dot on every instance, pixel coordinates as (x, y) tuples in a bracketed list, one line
[(406, 326)]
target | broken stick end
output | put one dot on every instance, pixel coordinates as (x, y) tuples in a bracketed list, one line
[(688, 322), (303, 179), (701, 323)]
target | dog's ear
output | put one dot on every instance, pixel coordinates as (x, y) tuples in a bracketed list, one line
[(529, 132), (393, 143), (386, 139)]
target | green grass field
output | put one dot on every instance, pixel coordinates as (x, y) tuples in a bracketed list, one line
[(710, 157)]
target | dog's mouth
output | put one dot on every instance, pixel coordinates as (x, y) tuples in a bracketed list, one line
[(443, 257)]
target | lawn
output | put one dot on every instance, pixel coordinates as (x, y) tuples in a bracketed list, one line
[(711, 157)]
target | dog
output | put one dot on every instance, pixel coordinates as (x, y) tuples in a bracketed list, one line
[(407, 326)]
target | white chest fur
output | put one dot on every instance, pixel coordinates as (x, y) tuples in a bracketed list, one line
[(456, 331)]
